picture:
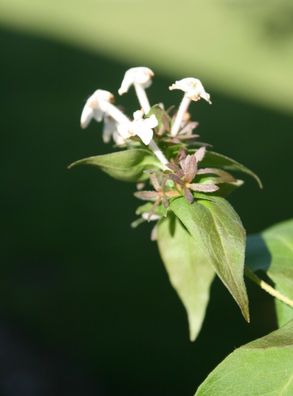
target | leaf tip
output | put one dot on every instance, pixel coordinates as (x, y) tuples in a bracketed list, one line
[(245, 313), (73, 164), (259, 182)]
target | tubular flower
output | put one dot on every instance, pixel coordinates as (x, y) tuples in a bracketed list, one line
[(95, 107), (193, 89), (140, 78), (136, 76), (99, 106)]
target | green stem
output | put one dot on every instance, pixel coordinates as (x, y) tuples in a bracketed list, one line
[(269, 289)]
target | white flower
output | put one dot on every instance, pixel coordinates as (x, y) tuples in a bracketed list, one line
[(193, 89), (136, 76), (143, 127), (99, 106), (95, 107), (140, 78), (117, 125)]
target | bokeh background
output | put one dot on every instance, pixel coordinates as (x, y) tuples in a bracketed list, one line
[(86, 307)]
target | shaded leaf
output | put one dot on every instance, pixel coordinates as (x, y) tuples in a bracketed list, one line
[(272, 252), (217, 229), (189, 272), (215, 160), (127, 165), (262, 367)]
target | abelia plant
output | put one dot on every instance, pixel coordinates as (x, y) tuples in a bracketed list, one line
[(184, 186)]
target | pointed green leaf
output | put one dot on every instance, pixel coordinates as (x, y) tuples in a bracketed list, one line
[(127, 165), (263, 367), (217, 229), (188, 271), (272, 252), (216, 160)]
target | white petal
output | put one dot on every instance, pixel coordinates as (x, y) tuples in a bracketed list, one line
[(110, 127), (136, 75), (146, 135), (142, 127), (192, 87), (95, 107), (98, 115), (152, 121), (86, 116), (138, 115), (118, 139), (123, 130)]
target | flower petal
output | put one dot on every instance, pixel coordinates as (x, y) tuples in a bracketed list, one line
[(142, 127), (145, 135), (192, 87), (136, 75), (86, 116)]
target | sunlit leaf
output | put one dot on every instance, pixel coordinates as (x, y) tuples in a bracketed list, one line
[(127, 165), (272, 252), (189, 271), (217, 229), (262, 367)]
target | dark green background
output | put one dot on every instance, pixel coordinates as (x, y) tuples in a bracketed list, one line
[(81, 289)]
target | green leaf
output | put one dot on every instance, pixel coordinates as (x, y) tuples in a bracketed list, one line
[(263, 367), (189, 273), (272, 252), (127, 165), (216, 160), (217, 230)]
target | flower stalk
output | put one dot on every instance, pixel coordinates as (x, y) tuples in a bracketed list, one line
[(269, 289), (180, 115)]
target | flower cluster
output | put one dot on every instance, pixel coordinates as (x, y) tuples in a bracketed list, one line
[(168, 135)]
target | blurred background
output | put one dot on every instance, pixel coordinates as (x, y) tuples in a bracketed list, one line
[(86, 306)]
